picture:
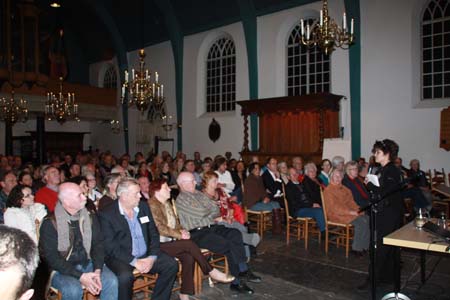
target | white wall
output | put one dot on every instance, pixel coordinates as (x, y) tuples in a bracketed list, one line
[(195, 120), (388, 42), (273, 32)]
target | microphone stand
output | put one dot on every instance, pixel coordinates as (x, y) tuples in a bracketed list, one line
[(375, 201)]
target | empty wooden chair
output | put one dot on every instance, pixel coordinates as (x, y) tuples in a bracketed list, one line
[(260, 221)]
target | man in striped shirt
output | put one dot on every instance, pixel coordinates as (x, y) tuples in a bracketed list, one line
[(199, 215)]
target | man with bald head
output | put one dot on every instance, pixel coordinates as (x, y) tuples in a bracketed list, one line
[(200, 215), (72, 245)]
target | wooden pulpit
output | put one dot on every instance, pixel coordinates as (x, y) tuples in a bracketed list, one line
[(292, 126)]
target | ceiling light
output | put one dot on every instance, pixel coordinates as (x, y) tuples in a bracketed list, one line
[(55, 4)]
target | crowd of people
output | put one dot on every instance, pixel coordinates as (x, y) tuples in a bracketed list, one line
[(98, 218)]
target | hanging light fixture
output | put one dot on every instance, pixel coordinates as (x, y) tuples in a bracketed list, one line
[(326, 32), (60, 107), (12, 111), (141, 90)]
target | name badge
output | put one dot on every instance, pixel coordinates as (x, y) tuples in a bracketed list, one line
[(144, 220)]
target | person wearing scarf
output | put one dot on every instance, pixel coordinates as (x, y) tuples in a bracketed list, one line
[(71, 244), (354, 184)]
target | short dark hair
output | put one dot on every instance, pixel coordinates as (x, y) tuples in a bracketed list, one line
[(252, 166), (218, 162), (4, 174), (17, 249), (386, 146), (22, 175), (15, 197)]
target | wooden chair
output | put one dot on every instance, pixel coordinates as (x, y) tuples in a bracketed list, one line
[(301, 226), (54, 294), (343, 232), (439, 177), (260, 221), (217, 261)]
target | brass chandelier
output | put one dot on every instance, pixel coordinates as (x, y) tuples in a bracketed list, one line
[(60, 107), (326, 33), (12, 111), (140, 90)]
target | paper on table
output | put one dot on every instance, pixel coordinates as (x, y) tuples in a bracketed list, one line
[(374, 179)]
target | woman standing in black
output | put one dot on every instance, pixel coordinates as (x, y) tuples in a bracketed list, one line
[(390, 209)]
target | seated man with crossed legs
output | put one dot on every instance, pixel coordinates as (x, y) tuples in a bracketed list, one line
[(199, 214)]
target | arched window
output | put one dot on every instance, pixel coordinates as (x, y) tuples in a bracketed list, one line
[(308, 68), (110, 79), (221, 76), (435, 37)]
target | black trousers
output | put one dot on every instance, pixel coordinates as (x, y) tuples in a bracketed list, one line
[(222, 240), (165, 266)]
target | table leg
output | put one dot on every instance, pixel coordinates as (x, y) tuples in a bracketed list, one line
[(422, 266)]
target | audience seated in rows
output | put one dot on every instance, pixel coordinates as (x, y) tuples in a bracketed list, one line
[(299, 202), (48, 195), (255, 194), (232, 213), (312, 184), (354, 184), (22, 212), (342, 208), (199, 214), (324, 176), (175, 241), (71, 244), (131, 241)]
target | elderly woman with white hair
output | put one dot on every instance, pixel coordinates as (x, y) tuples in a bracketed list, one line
[(311, 183), (341, 208), (338, 163)]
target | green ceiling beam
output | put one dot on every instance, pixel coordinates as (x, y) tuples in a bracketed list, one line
[(248, 17), (176, 39), (353, 11), (121, 52)]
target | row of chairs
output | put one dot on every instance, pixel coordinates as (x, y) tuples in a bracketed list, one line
[(144, 283), (304, 228)]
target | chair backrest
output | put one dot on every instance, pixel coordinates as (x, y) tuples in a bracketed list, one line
[(324, 206), (286, 207), (438, 178)]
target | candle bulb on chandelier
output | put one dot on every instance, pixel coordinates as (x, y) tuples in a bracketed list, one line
[(351, 27), (321, 17), (132, 74), (146, 74), (162, 90), (123, 91), (153, 90), (307, 32), (302, 25), (126, 76), (344, 22), (156, 77)]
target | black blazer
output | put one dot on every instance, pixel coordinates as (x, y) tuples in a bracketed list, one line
[(117, 235), (271, 185), (297, 198)]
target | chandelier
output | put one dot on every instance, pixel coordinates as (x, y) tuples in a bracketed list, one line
[(141, 90), (60, 107), (12, 111), (326, 33)]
